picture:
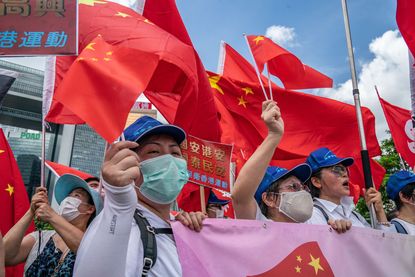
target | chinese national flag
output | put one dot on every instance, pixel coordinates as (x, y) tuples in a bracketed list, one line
[(14, 201), (121, 26), (305, 260), (60, 169), (285, 65), (107, 80), (402, 131), (406, 22)]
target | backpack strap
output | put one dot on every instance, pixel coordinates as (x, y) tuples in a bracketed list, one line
[(326, 216), (399, 227), (148, 238)]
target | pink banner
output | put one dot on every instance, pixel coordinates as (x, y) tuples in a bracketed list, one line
[(256, 248)]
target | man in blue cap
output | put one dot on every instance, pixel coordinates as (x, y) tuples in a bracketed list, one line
[(215, 207), (142, 177), (401, 189), (329, 186)]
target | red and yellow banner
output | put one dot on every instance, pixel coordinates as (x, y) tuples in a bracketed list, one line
[(38, 27), (208, 162)]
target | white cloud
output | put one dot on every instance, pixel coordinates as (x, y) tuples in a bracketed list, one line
[(284, 36), (388, 70)]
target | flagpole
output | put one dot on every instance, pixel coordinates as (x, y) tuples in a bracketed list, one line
[(356, 96), (256, 67), (269, 82), (43, 154)]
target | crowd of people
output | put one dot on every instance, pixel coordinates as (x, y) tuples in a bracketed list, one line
[(129, 233)]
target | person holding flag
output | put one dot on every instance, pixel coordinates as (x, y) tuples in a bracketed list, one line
[(401, 189), (52, 252), (329, 186), (142, 177)]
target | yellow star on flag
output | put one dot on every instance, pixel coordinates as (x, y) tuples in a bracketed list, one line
[(10, 189), (123, 15), (94, 59), (213, 80), (148, 21), (248, 90), (80, 59), (109, 53), (107, 59), (258, 39), (242, 101), (299, 259), (90, 46), (297, 269), (1, 151), (91, 2), (315, 263)]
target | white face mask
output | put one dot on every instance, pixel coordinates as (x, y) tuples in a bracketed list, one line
[(69, 208), (296, 205)]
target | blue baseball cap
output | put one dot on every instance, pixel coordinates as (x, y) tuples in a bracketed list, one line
[(397, 182), (68, 182), (213, 199), (323, 157), (146, 126), (274, 173)]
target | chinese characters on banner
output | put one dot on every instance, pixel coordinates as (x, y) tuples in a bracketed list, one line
[(38, 27), (208, 162)]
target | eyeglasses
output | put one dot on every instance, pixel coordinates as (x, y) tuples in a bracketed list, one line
[(295, 187), (339, 170)]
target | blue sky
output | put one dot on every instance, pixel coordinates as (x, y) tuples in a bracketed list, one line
[(318, 25)]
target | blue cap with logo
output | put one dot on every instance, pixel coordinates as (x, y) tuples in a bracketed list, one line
[(274, 173), (323, 157), (397, 182), (213, 199), (68, 182), (147, 126)]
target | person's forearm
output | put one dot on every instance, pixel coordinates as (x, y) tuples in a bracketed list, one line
[(69, 233), (103, 251), (254, 169), (14, 237)]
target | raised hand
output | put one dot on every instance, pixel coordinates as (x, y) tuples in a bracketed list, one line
[(271, 115)]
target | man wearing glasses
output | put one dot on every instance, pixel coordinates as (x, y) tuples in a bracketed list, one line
[(329, 186)]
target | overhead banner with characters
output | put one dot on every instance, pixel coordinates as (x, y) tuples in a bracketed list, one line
[(38, 27), (208, 162)]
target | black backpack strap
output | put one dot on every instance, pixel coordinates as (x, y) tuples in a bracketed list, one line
[(148, 237), (399, 227), (322, 211), (167, 231)]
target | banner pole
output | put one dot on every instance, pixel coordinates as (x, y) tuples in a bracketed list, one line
[(356, 96), (202, 199)]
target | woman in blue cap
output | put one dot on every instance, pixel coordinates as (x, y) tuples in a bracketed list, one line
[(271, 193), (53, 252), (401, 189), (215, 207), (329, 186)]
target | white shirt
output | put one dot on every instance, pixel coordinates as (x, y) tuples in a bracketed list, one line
[(343, 211), (409, 227), (112, 245), (259, 215)]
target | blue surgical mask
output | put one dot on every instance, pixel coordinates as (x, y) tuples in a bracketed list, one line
[(163, 178)]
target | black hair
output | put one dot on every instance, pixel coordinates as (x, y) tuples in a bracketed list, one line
[(314, 191), (407, 192), (93, 178)]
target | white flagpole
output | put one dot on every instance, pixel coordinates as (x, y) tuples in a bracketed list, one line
[(356, 95), (256, 67), (269, 83)]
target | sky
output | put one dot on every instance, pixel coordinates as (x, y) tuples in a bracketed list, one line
[(314, 31)]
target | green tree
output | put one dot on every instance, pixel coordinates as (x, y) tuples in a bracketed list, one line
[(391, 162)]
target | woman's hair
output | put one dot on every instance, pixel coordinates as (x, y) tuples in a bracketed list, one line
[(407, 192), (274, 187), (314, 191)]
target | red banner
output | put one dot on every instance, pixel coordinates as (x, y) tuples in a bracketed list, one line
[(38, 27), (208, 162)]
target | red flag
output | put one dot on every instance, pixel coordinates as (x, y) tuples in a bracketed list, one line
[(285, 65), (406, 22), (402, 131), (13, 196), (305, 260), (196, 112), (121, 26), (103, 99), (60, 169)]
